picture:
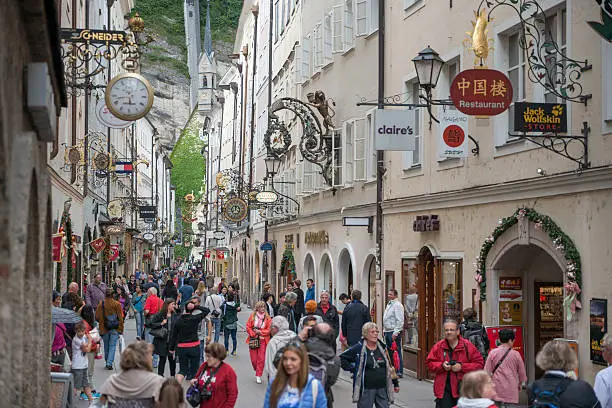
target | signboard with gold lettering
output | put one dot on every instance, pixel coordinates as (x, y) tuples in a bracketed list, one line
[(540, 117), (316, 238), (85, 35), (481, 92)]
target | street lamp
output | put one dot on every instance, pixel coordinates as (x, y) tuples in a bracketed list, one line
[(428, 66), (268, 195), (272, 166)]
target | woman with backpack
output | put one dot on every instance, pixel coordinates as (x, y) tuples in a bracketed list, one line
[(258, 329), (229, 322), (558, 387), (293, 386), (161, 325)]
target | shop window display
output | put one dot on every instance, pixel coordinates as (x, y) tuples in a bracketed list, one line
[(451, 290), (410, 301)]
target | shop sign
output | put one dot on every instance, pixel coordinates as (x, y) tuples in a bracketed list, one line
[(56, 241), (481, 92), (114, 253), (219, 235), (493, 335), (424, 223), (107, 118), (220, 255), (540, 117), (510, 300), (395, 130), (97, 245), (316, 238), (148, 211), (453, 135), (598, 316), (207, 254), (266, 246), (85, 35)]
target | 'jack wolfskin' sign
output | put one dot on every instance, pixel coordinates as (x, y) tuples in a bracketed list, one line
[(540, 117), (481, 92)]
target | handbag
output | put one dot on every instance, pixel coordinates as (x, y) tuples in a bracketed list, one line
[(196, 395), (254, 341), (159, 333), (111, 322), (67, 366)]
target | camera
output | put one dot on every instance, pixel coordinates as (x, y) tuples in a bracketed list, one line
[(206, 395), (452, 363)]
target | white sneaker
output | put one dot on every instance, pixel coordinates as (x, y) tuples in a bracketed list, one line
[(258, 380)]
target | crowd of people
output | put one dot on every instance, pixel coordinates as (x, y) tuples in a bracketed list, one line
[(293, 347)]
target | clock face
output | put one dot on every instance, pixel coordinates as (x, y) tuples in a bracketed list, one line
[(129, 96)]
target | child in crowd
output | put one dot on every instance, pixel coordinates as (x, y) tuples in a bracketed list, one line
[(477, 390), (171, 394), (80, 348)]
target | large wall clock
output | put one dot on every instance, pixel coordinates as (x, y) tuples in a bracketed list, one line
[(129, 96)]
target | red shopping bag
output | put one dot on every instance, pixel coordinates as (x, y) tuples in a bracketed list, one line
[(396, 360)]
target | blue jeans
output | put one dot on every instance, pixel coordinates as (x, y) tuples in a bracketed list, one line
[(149, 339), (216, 323), (226, 334), (110, 344), (202, 347), (139, 323), (398, 342)]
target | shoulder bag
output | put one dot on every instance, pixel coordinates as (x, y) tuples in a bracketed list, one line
[(500, 361), (160, 332), (195, 394), (111, 322), (254, 341)]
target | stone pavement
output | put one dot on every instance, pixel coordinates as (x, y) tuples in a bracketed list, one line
[(413, 393)]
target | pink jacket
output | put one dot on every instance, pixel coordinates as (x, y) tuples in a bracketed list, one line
[(508, 376)]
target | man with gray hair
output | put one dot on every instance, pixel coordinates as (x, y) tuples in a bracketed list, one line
[(288, 311), (603, 380), (281, 336)]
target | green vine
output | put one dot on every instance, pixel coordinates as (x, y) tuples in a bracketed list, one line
[(66, 227), (562, 243)]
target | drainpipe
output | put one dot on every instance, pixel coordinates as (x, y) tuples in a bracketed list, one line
[(380, 167)]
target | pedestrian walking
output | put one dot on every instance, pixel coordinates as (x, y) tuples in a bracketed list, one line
[(556, 387), (185, 293), (289, 312), (80, 347), (67, 299), (110, 319), (204, 329), (355, 315), (603, 379), (184, 340), (170, 291), (201, 291), (258, 330), (281, 300), (151, 284), (58, 347), (229, 322), (328, 312), (449, 360), (138, 302), (96, 292), (294, 386), (300, 305), (324, 364), (474, 332), (393, 327), (93, 337), (161, 325), (310, 290), (281, 336), (268, 298), (507, 369), (217, 379), (311, 309), (171, 394), (374, 378), (477, 391), (214, 302), (152, 305), (135, 386)]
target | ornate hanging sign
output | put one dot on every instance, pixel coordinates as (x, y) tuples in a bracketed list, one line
[(540, 117), (105, 117), (235, 209), (481, 92)]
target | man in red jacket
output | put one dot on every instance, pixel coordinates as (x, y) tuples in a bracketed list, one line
[(450, 359)]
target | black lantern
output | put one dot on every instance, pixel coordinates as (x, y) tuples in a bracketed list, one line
[(428, 65), (272, 166)]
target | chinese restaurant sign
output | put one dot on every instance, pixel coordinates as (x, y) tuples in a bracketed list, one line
[(540, 117), (453, 141), (481, 92)]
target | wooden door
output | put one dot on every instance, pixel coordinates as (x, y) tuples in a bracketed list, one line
[(428, 326)]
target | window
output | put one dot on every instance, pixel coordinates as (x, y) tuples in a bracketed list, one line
[(411, 301), (308, 176), (282, 16), (277, 19), (204, 82), (327, 39), (360, 150), (349, 34), (555, 30), (413, 158), (338, 46), (607, 83), (289, 8), (516, 73), (317, 47), (451, 290), (337, 157), (306, 57), (373, 162), (410, 3), (361, 19)]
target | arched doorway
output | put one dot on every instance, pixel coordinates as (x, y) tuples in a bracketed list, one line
[(369, 280), (309, 273), (325, 276), (345, 273)]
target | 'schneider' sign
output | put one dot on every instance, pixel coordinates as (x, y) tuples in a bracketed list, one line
[(453, 139), (85, 35), (540, 117), (395, 130), (481, 92)]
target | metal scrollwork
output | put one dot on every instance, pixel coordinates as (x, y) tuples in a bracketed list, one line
[(548, 65)]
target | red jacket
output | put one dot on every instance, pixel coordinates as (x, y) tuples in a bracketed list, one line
[(224, 388), (264, 330), (465, 353)]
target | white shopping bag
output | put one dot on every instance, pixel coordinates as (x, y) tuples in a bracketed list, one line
[(121, 343)]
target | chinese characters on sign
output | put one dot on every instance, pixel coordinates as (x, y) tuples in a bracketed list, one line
[(424, 223), (493, 335), (510, 300), (454, 136), (540, 117), (598, 316), (481, 92)]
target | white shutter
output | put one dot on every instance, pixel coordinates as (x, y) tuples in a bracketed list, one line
[(298, 64), (362, 9), (318, 46), (327, 39), (361, 143), (349, 34), (307, 178), (337, 29), (299, 171), (373, 16), (306, 56), (370, 123), (347, 153)]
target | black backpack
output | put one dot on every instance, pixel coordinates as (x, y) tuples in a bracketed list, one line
[(474, 333), (326, 371), (548, 398)]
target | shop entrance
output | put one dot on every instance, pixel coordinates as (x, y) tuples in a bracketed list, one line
[(427, 314)]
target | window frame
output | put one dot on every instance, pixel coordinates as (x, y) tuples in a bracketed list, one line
[(348, 28), (413, 92), (338, 158)]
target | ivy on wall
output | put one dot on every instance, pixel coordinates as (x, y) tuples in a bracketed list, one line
[(288, 260), (562, 243)]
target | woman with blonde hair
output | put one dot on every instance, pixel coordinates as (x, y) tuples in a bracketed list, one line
[(477, 390), (136, 386), (558, 385), (258, 329), (293, 386)]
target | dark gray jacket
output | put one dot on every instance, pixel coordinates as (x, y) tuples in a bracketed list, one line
[(355, 315)]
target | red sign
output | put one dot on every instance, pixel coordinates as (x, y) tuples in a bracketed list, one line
[(220, 255), (57, 247), (493, 335), (481, 92), (453, 136), (114, 253), (97, 245), (511, 283), (207, 255)]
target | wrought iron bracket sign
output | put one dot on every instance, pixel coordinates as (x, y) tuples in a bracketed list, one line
[(547, 65), (315, 142), (573, 147)]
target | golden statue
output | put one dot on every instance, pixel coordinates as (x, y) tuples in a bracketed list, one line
[(221, 181), (480, 42)]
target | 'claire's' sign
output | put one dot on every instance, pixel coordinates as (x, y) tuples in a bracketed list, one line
[(481, 92), (540, 117)]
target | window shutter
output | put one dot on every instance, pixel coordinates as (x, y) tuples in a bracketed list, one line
[(349, 34), (299, 172), (337, 29), (298, 64), (373, 16), (306, 55), (318, 46), (361, 17), (347, 152), (361, 143), (308, 177), (327, 38)]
